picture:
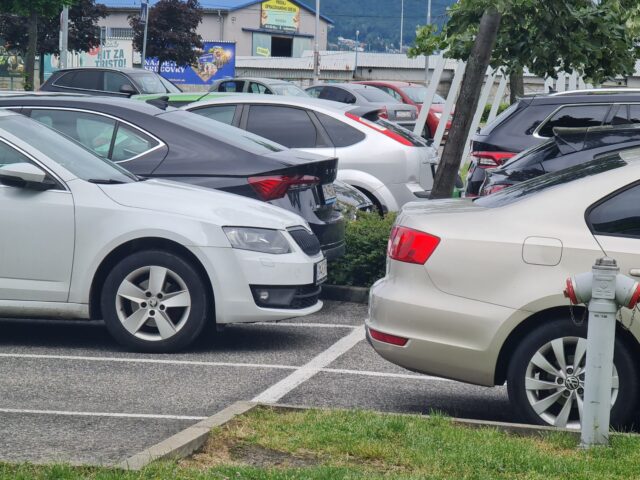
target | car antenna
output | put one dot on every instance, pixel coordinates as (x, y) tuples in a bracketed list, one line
[(160, 102)]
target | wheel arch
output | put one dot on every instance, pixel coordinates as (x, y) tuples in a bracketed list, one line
[(137, 245), (370, 186), (535, 321)]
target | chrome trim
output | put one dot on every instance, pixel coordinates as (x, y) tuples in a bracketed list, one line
[(597, 91), (117, 119)]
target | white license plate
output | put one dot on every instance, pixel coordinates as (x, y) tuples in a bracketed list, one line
[(403, 114), (321, 271), (329, 193)]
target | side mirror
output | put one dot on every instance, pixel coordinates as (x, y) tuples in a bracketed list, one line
[(128, 89), (25, 175)]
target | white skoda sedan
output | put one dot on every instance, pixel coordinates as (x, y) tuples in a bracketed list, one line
[(474, 289), (82, 238)]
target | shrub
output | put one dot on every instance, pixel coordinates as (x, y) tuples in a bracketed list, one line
[(365, 259), (487, 109)]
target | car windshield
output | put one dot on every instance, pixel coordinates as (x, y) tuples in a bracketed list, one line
[(64, 151), (150, 82), (550, 180), (374, 94), (417, 94), (288, 89), (223, 132)]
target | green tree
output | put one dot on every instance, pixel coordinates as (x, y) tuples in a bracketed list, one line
[(171, 34), (33, 11)]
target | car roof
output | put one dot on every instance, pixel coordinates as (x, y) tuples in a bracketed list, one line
[(86, 101), (347, 85), (266, 81), (276, 99), (392, 83), (596, 95), (122, 70)]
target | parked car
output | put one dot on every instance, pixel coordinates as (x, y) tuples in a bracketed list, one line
[(117, 82), (178, 145), (414, 94), (487, 307), (568, 147), (365, 95), (531, 120), (266, 86), (157, 260), (389, 164)]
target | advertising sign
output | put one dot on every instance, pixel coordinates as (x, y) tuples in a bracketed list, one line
[(215, 60), (112, 54), (280, 15)]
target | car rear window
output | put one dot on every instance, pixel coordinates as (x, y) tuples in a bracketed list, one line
[(415, 140), (374, 94), (417, 94), (538, 154), (535, 185)]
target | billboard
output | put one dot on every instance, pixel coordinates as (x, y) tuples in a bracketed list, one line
[(215, 60), (280, 15), (114, 53)]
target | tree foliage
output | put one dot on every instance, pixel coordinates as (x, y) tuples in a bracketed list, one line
[(596, 40), (171, 34)]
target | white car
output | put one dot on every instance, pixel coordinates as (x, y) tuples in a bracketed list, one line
[(474, 289), (391, 165), (82, 238)]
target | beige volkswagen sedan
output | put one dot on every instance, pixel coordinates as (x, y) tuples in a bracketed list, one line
[(474, 289)]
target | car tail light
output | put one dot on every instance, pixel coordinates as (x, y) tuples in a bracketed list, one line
[(380, 129), (411, 246), (273, 187), (491, 159), (383, 113), (388, 338), (493, 189)]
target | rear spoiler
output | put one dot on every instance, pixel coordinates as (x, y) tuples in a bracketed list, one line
[(369, 113)]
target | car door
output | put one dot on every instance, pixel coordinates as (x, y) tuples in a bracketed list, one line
[(36, 238)]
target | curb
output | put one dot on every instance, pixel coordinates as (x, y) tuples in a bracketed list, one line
[(344, 293), (187, 441)]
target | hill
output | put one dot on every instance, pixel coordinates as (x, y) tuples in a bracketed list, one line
[(379, 20)]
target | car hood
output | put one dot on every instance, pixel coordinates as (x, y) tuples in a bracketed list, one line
[(213, 206)]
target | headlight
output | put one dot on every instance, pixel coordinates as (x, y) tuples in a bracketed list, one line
[(257, 240)]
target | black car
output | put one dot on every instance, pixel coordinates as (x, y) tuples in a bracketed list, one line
[(174, 144), (568, 147), (117, 82), (531, 120)]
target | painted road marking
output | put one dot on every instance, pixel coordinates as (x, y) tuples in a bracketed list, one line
[(100, 414)]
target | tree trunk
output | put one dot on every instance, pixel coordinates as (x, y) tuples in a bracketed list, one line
[(516, 84), (466, 105), (30, 60)]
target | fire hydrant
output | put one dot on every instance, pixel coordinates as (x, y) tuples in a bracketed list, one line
[(605, 291)]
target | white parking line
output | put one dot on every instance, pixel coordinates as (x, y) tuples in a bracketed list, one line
[(370, 373), (310, 325), (304, 373), (100, 414)]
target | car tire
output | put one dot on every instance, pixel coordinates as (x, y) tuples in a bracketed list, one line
[(155, 301), (524, 375)]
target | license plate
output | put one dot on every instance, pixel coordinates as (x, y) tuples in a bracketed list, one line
[(403, 114), (321, 271), (329, 193)]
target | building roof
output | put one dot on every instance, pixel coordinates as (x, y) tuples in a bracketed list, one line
[(222, 5)]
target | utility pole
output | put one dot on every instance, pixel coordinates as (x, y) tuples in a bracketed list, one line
[(355, 67), (426, 58), (64, 37), (316, 47), (401, 22), (144, 17)]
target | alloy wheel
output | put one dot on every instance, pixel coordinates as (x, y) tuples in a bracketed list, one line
[(153, 303), (554, 382)]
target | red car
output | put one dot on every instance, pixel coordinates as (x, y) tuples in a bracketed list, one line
[(413, 94)]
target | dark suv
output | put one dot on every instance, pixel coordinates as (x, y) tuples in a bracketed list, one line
[(531, 121), (119, 82)]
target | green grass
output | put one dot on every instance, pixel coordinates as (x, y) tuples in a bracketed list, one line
[(363, 445)]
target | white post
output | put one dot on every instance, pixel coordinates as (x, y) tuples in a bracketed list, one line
[(316, 46), (548, 84), (428, 98), (497, 100), (144, 14), (573, 81), (64, 37), (448, 105), (561, 83), (484, 96), (426, 59), (401, 22)]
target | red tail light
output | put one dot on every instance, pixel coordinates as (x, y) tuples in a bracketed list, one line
[(383, 113), (492, 159), (380, 129), (494, 189), (411, 246), (276, 186), (388, 338)]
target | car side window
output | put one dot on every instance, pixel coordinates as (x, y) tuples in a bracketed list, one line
[(341, 134), (258, 88), (113, 82), (93, 131), (129, 143), (337, 95), (221, 113), (231, 86), (634, 113), (575, 116), (85, 80), (314, 91), (618, 215), (291, 127), (392, 92), (9, 155)]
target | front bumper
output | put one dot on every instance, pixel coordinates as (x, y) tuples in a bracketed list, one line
[(449, 336)]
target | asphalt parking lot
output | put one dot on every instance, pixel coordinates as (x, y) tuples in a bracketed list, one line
[(69, 393)]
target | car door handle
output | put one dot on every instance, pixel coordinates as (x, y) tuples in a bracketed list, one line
[(634, 272)]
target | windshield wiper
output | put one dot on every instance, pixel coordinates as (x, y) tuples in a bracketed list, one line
[(105, 181)]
